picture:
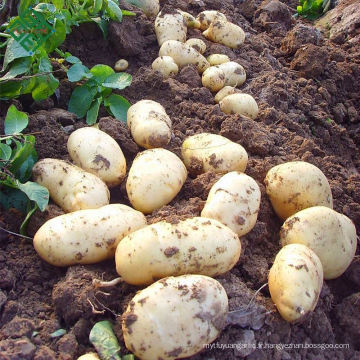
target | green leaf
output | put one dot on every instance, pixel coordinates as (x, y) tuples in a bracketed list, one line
[(58, 333), (127, 13), (104, 340), (56, 38), (29, 214), (13, 198), (43, 7), (118, 81), (114, 10), (13, 51), (36, 192), (45, 64), (103, 25), (15, 121), (80, 101), (101, 72), (58, 3), (45, 87), (118, 106), (73, 60), (25, 171), (18, 67), (24, 6), (10, 90), (5, 151), (78, 72), (98, 4), (92, 114), (21, 154)]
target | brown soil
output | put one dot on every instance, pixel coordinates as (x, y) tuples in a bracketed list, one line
[(308, 91)]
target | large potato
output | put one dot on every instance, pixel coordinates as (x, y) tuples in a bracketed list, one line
[(170, 26), (98, 153), (175, 317), (295, 281), (213, 78), (297, 185), (149, 124), (209, 152), (332, 236), (234, 200), (69, 186), (242, 104), (193, 246), (155, 178), (208, 16), (86, 236)]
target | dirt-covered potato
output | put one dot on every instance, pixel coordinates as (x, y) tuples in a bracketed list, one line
[(175, 317), (208, 16), (166, 65), (170, 26), (155, 178), (149, 124), (225, 91), (332, 236), (210, 152), (234, 200), (86, 236), (89, 356), (69, 186), (193, 246), (197, 44), (239, 103), (183, 54), (295, 281), (217, 59), (297, 185), (98, 153), (213, 78), (190, 20), (235, 74), (150, 7), (121, 65)]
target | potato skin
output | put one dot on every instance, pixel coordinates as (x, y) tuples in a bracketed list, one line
[(69, 186), (170, 27), (193, 246), (297, 185), (208, 16), (197, 44), (190, 310), (121, 65), (86, 236), (155, 178), (217, 59), (295, 281), (225, 91), (149, 7), (234, 200), (242, 104), (89, 356), (209, 152), (235, 74), (166, 65), (332, 236), (213, 78), (98, 153)]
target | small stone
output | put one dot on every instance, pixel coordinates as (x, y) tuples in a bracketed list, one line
[(121, 65)]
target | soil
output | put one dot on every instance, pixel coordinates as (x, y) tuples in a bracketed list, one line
[(308, 91)]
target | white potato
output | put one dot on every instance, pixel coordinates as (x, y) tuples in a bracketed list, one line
[(98, 153), (197, 44), (150, 7), (193, 246), (166, 65), (208, 16), (210, 152), (89, 356), (69, 186), (239, 103), (170, 26), (217, 59), (121, 65), (175, 317), (155, 178), (86, 236), (225, 91), (234, 200), (297, 185), (190, 20), (332, 236), (213, 78), (234, 73)]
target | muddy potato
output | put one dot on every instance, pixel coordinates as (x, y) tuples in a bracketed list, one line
[(209, 152), (295, 281), (86, 236), (332, 236), (69, 186), (190, 20), (217, 59), (89, 356), (170, 26), (150, 7), (234, 200), (225, 91), (175, 317), (242, 104), (213, 78), (121, 65), (98, 153), (155, 178), (193, 246), (297, 185), (166, 65), (234, 73), (206, 17), (197, 44)]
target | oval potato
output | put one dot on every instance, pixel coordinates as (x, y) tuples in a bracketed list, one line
[(235, 74), (170, 26), (217, 59), (166, 65), (225, 91), (206, 17), (149, 7), (197, 44), (242, 104), (213, 78), (121, 65)]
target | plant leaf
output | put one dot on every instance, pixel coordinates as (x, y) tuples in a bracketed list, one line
[(13, 51), (118, 106), (56, 38), (10, 90), (78, 72), (73, 60), (93, 112), (127, 13), (13, 198), (29, 214), (58, 333), (44, 7), (19, 66), (58, 3), (114, 10), (103, 25), (80, 101), (35, 192), (5, 152), (25, 171), (21, 154), (101, 72), (45, 87), (118, 81), (24, 6), (15, 121)]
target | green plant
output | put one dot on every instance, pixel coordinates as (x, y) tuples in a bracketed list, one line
[(312, 9), (17, 157)]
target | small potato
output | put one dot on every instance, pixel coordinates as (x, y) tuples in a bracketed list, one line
[(209, 152), (213, 78), (155, 178), (149, 124), (150, 7), (332, 236), (170, 26), (86, 236), (193, 246), (197, 44), (295, 281), (297, 185), (183, 54), (208, 16), (242, 104), (166, 65), (225, 91), (217, 59), (121, 65), (225, 33), (190, 20), (89, 356), (98, 153), (69, 186), (175, 317), (234, 73), (234, 200)]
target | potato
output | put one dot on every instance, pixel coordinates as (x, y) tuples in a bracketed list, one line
[(183, 54), (242, 104), (121, 65), (69, 186), (234, 200), (234, 73), (295, 281), (170, 26), (297, 185), (150, 7), (86, 236), (190, 20), (213, 78), (208, 16), (225, 91), (332, 236), (98, 153), (89, 356), (155, 178), (193, 246), (197, 44), (175, 317), (217, 59), (166, 65), (149, 124), (209, 152), (225, 33)]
